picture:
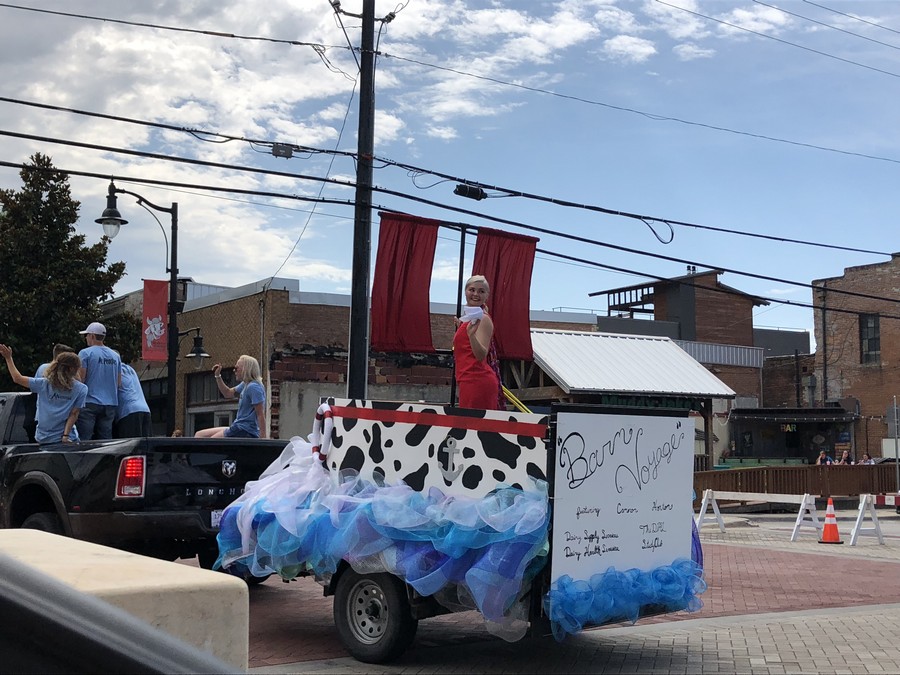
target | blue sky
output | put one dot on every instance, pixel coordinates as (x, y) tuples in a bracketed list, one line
[(577, 100)]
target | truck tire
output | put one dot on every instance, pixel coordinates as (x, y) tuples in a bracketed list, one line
[(46, 522), (372, 616)]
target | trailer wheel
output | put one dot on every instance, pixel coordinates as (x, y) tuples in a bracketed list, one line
[(46, 522), (373, 617)]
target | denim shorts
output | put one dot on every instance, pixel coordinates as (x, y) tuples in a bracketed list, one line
[(234, 432)]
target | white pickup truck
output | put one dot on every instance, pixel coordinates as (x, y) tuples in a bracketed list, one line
[(542, 523)]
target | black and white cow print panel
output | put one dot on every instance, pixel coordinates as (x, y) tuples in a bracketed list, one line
[(460, 451)]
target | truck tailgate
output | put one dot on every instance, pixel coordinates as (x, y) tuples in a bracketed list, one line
[(204, 474)]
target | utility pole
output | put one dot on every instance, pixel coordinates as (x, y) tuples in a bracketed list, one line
[(358, 351)]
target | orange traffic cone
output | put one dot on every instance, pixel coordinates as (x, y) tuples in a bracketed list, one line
[(830, 534)]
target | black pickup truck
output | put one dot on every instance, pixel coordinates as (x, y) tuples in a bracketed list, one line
[(156, 496)]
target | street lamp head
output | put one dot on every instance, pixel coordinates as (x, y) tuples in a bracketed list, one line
[(198, 352), (111, 219)]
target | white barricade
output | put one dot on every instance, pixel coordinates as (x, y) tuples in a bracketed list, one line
[(807, 502), (867, 506)]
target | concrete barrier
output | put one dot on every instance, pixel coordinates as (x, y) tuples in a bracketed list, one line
[(209, 610)]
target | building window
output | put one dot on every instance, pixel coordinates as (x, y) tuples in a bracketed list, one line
[(202, 387), (869, 339)]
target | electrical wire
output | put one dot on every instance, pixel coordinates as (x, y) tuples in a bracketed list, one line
[(652, 116), (507, 192), (177, 29), (782, 41), (851, 16), (375, 207), (321, 187), (413, 198), (826, 25), (340, 22)]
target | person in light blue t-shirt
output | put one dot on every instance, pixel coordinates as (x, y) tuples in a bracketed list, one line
[(250, 421), (101, 371), (60, 396), (58, 349), (132, 412)]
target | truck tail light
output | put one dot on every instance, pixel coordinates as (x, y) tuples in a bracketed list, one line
[(132, 475)]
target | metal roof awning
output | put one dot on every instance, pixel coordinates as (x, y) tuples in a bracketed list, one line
[(582, 362), (784, 415)]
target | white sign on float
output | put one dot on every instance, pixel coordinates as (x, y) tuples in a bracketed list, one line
[(622, 493)]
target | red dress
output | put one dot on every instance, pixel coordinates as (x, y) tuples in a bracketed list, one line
[(477, 381)]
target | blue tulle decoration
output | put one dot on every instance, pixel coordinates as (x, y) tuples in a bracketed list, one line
[(620, 595), (490, 547)]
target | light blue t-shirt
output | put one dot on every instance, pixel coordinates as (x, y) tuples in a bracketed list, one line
[(131, 396), (54, 406), (251, 394), (103, 366)]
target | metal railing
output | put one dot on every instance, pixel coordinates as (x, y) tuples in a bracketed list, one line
[(823, 481)]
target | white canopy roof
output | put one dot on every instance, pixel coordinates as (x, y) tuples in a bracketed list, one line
[(581, 362)]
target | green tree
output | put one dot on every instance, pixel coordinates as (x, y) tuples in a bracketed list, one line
[(51, 282)]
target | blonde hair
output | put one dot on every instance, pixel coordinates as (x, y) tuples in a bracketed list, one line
[(478, 277), (251, 368), (62, 370)]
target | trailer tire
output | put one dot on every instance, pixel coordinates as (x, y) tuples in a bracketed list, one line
[(46, 522), (373, 616)]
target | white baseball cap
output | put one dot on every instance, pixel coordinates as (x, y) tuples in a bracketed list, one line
[(94, 329)]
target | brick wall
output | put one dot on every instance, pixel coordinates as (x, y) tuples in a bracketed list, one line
[(744, 381), (874, 384), (780, 381), (722, 318)]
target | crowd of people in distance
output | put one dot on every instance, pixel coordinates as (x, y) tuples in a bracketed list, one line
[(846, 460), (92, 395)]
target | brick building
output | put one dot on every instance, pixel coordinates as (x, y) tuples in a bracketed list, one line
[(300, 340), (857, 364)]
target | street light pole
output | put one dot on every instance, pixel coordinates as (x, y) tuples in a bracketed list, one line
[(112, 220)]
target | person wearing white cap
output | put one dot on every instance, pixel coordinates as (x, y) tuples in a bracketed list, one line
[(101, 371)]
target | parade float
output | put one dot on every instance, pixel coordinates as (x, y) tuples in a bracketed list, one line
[(544, 524)]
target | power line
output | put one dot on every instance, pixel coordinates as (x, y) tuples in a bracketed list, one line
[(177, 29), (785, 42), (652, 116), (851, 16), (429, 202), (646, 219), (325, 200), (826, 25), (319, 47)]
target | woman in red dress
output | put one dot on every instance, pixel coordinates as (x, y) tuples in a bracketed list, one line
[(476, 379)]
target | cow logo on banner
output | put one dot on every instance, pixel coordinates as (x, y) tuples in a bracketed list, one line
[(155, 330), (155, 325)]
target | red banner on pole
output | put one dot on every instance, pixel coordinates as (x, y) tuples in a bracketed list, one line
[(401, 316), (506, 261), (156, 322)]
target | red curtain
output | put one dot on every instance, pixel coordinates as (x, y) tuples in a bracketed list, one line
[(506, 260), (401, 318), (156, 322)]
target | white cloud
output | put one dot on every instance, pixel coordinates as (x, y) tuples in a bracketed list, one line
[(690, 52), (628, 48)]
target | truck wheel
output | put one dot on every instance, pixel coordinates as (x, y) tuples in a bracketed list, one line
[(372, 616), (46, 522)]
